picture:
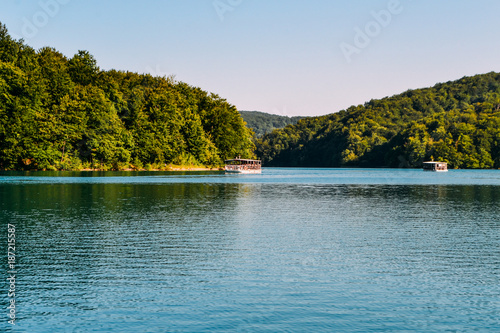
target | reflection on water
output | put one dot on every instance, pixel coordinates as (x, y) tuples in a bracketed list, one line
[(212, 255)]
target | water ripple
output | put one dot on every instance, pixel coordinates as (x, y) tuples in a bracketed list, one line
[(205, 255)]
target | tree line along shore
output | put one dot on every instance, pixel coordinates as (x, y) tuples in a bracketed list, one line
[(68, 114), (457, 122), (59, 113)]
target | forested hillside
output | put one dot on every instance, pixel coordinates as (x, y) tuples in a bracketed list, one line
[(457, 122), (262, 123), (58, 113)]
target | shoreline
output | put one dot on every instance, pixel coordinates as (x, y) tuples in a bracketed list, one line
[(167, 169), (174, 168)]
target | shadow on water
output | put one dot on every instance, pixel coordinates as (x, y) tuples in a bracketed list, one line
[(106, 173)]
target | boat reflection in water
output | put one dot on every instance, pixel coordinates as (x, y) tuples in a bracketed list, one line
[(240, 165)]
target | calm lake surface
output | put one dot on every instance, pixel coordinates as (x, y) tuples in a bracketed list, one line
[(290, 250)]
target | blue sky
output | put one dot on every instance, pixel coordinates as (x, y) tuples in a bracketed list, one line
[(286, 57)]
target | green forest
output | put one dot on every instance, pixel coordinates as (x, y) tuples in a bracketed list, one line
[(59, 113), (456, 122), (261, 123)]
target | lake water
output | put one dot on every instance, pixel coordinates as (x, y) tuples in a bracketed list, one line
[(290, 250)]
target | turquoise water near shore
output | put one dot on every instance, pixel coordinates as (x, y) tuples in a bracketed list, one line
[(290, 250)]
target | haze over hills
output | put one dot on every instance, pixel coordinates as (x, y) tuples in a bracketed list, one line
[(262, 123), (457, 122)]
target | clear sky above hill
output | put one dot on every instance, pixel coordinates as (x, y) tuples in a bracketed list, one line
[(288, 57)]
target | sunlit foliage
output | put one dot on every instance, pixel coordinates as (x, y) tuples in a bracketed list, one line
[(59, 114), (457, 122)]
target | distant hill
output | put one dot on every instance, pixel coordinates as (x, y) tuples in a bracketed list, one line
[(262, 123), (457, 122)]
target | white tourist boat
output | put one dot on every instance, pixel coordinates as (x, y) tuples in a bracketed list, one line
[(241, 165), (435, 166)]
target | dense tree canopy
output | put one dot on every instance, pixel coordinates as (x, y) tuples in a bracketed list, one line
[(262, 123), (456, 122), (58, 113)]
